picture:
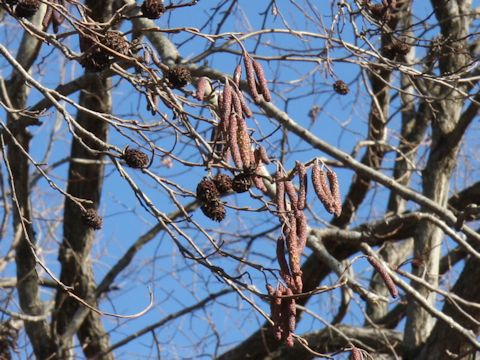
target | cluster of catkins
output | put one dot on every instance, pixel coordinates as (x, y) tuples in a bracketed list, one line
[(283, 310), (232, 132), (294, 238)]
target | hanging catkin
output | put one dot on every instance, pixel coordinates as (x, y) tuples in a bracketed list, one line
[(335, 192), (233, 141), (392, 288), (319, 181), (302, 187), (262, 81), (252, 85)]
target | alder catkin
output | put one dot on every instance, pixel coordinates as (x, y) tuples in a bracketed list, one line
[(302, 188), (252, 85), (257, 180), (201, 87), (236, 104), (292, 194), (392, 288), (261, 155), (262, 81), (335, 192), (282, 262), (292, 245), (356, 353), (244, 143), (226, 108), (319, 181), (302, 230), (280, 197), (233, 141), (290, 310), (246, 110)]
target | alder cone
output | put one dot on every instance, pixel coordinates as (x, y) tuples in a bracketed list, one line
[(135, 158), (178, 77), (95, 59), (153, 9), (27, 8), (214, 210), (117, 42), (223, 183), (207, 191), (92, 219), (340, 87), (242, 183)]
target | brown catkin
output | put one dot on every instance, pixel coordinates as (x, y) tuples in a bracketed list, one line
[(392, 288), (356, 353), (282, 262), (237, 75), (244, 143), (280, 197), (258, 182), (262, 81), (319, 181), (302, 230), (302, 188), (246, 110), (236, 104), (290, 311), (226, 105), (252, 85), (233, 141), (278, 316), (292, 245), (261, 155), (292, 194), (201, 87), (335, 191)]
